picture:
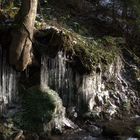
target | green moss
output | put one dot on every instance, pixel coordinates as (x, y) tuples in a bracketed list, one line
[(38, 108), (91, 53), (86, 53)]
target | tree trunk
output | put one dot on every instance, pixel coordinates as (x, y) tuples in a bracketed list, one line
[(20, 53)]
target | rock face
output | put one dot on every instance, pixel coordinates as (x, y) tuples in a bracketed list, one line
[(80, 80), (104, 92)]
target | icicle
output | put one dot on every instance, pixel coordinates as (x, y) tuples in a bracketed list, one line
[(44, 71), (8, 82), (56, 74)]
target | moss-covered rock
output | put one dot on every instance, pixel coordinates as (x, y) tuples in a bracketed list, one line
[(43, 110), (85, 53), (38, 107)]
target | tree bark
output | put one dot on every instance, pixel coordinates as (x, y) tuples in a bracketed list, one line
[(20, 52)]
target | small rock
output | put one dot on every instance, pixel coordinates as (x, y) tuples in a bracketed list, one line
[(94, 130)]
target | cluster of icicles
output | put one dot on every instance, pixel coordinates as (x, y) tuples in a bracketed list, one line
[(87, 90), (8, 82), (57, 74)]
